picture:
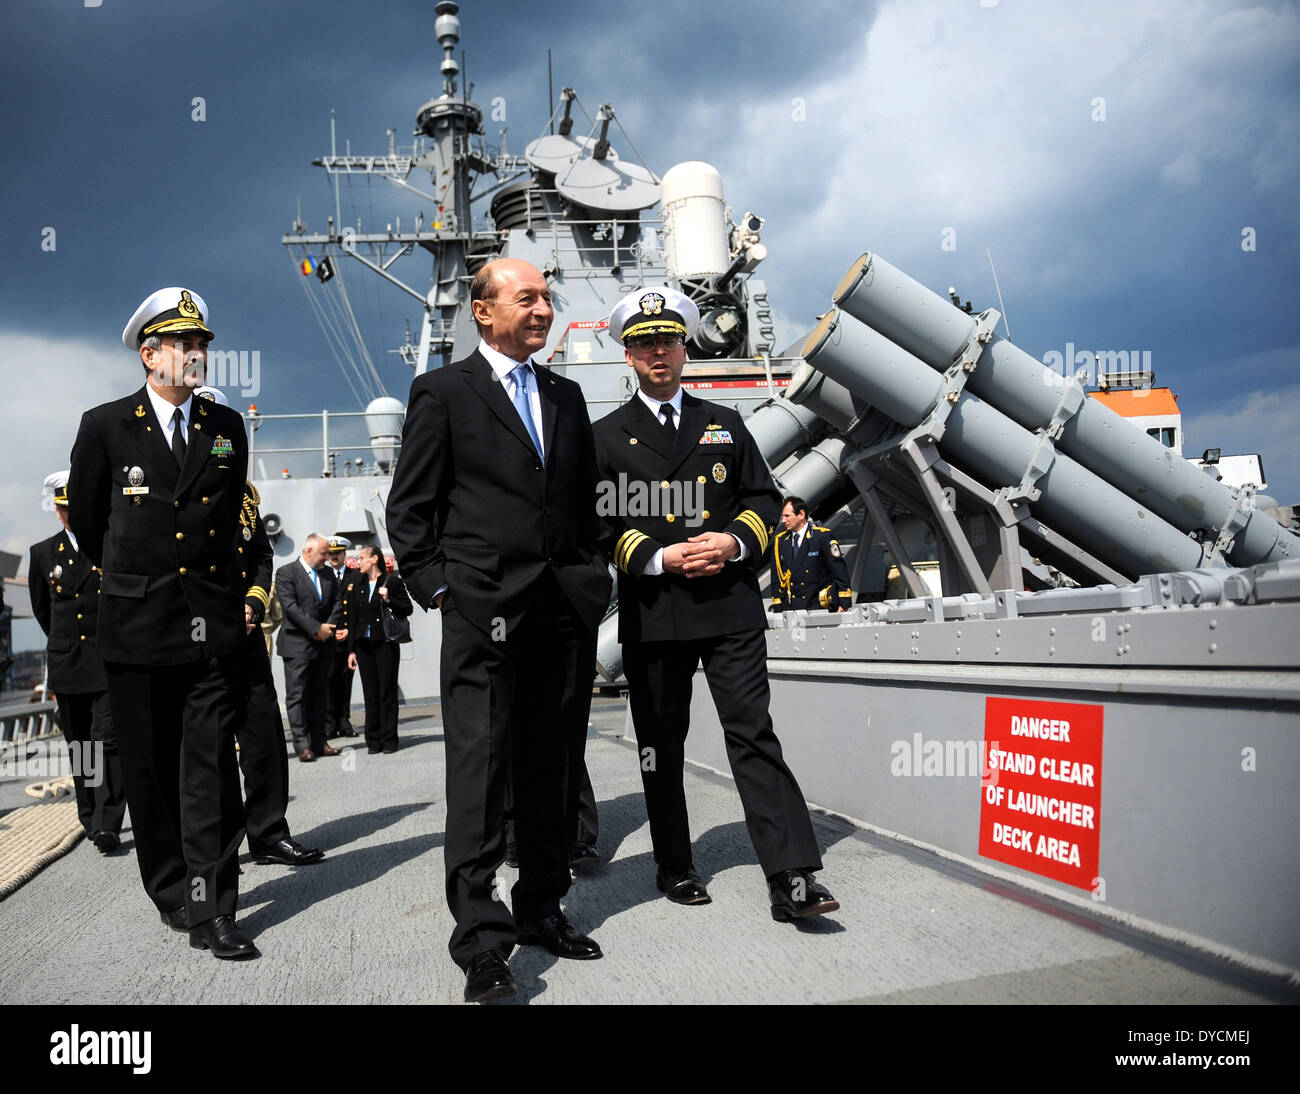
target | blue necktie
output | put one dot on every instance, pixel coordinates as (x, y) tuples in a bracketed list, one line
[(520, 375), (315, 580)]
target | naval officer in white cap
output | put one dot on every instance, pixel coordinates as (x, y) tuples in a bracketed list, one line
[(156, 486), (687, 595)]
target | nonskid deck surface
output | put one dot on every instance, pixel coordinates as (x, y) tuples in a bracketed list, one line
[(369, 925)]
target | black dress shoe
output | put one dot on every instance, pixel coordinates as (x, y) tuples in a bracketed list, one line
[(178, 919), (106, 841), (584, 854), (796, 894), (223, 938), (559, 936), (374, 751), (487, 977), (390, 750), (288, 852), (682, 888), (349, 732)]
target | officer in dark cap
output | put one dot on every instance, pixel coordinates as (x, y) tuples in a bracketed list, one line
[(808, 570), (156, 487), (64, 588), (691, 505), (338, 694)]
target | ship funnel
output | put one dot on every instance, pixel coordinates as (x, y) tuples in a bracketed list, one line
[(384, 418), (896, 317)]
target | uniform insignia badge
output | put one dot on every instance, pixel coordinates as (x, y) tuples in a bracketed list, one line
[(58, 571), (716, 436), (135, 476), (835, 549), (719, 473), (139, 411), (651, 304), (247, 534), (60, 546), (713, 425), (186, 305), (222, 447), (203, 409)]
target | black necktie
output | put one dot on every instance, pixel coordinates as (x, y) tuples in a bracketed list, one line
[(667, 411), (178, 438)]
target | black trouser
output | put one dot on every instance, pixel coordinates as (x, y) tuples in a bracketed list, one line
[(503, 707), (659, 678), (86, 719), (338, 694), (262, 755), (583, 816), (305, 681), (176, 737), (377, 664)]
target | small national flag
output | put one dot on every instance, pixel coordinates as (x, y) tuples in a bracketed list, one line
[(307, 265)]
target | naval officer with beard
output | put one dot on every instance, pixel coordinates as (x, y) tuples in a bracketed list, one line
[(155, 491)]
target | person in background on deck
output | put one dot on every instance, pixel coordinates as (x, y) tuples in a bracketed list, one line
[(262, 756), (808, 570), (369, 608), (64, 589), (309, 598), (338, 704)]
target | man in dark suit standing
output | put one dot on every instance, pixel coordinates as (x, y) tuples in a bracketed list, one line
[(309, 597), (155, 490), (492, 518), (371, 650), (692, 504), (64, 588)]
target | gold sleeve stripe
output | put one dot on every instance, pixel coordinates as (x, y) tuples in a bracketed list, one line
[(258, 593), (628, 542), (757, 526)]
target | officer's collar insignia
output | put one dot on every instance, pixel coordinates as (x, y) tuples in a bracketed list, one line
[(651, 304), (202, 408), (222, 447), (139, 411), (60, 546)]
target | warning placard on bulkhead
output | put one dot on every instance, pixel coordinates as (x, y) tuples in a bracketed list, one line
[(1041, 805)]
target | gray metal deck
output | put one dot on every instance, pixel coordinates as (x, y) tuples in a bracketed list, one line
[(369, 924)]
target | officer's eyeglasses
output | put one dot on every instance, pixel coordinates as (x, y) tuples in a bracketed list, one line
[(656, 341)]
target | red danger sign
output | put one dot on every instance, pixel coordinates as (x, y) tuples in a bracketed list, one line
[(1041, 804)]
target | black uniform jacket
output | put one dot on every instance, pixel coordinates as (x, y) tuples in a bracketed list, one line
[(474, 510), (361, 610), (164, 537), (304, 611), (707, 477), (64, 588), (814, 577)]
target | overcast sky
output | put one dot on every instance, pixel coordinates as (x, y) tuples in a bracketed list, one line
[(1113, 156)]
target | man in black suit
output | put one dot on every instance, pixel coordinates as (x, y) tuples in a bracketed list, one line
[(370, 649), (808, 570), (338, 713), (155, 490), (691, 505), (64, 589), (492, 518), (309, 597)]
